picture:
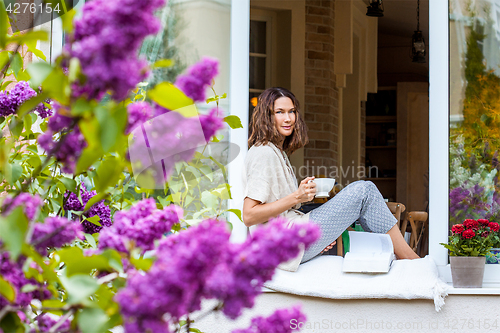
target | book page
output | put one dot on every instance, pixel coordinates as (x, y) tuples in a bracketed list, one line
[(367, 242)]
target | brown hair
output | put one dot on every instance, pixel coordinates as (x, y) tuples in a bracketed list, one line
[(263, 129)]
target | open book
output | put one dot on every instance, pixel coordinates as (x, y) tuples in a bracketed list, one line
[(368, 253)]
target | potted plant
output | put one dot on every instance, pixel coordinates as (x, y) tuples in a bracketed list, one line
[(469, 243)]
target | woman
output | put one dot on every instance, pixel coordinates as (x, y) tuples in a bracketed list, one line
[(277, 130)]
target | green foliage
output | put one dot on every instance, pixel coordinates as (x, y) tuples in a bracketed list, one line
[(84, 285)]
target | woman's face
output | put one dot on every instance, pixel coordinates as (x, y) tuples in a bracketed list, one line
[(284, 116)]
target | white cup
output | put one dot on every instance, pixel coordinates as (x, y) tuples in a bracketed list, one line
[(323, 187)]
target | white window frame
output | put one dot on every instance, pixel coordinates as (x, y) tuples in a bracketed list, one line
[(439, 127)]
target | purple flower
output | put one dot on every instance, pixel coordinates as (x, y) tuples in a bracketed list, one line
[(281, 321), (13, 273), (200, 262), (99, 209), (45, 323), (253, 263), (31, 204), (61, 232), (107, 45), (138, 113), (210, 123), (142, 224), (10, 102), (198, 78)]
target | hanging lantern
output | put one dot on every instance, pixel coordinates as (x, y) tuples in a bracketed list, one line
[(376, 8), (418, 51)]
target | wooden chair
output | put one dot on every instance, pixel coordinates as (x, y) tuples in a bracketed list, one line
[(419, 224)]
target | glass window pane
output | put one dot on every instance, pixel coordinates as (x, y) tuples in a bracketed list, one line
[(474, 110), (257, 37), (257, 73)]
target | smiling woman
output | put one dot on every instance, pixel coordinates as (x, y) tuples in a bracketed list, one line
[(271, 189)]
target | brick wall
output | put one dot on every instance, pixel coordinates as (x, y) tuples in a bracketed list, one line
[(321, 96)]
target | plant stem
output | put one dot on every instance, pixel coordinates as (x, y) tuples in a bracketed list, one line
[(61, 321)]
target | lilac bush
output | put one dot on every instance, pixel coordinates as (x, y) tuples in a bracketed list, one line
[(138, 113), (30, 203), (11, 101)]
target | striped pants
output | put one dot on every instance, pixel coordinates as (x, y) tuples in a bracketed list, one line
[(359, 201)]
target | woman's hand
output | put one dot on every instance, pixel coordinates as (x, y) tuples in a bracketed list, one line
[(329, 247), (307, 190)]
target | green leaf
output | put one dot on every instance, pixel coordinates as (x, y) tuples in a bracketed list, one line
[(33, 35), (74, 69), (11, 323), (233, 121), (163, 63), (69, 184), (31, 44), (57, 85), (95, 199), (209, 199), (4, 26), (142, 263), (91, 320), (108, 173), (79, 287), (39, 72), (169, 96), (6, 290), (236, 212), (13, 172), (67, 20), (95, 220), (90, 239), (32, 103), (17, 63), (13, 231), (53, 303)]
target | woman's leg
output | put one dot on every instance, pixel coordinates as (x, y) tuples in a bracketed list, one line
[(360, 201), (401, 248)]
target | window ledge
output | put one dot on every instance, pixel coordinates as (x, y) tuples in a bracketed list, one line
[(493, 290)]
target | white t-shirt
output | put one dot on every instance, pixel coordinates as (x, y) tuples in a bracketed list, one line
[(267, 177)]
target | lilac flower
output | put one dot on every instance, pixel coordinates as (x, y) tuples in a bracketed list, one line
[(198, 78), (73, 141), (253, 263), (175, 282), (13, 273), (211, 123), (61, 231), (10, 102), (281, 321), (142, 224), (138, 113), (31, 204), (201, 263), (99, 209), (45, 323), (107, 45)]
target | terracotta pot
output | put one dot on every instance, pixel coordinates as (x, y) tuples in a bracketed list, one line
[(494, 258), (467, 272)]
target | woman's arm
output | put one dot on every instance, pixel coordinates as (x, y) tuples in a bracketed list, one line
[(255, 212)]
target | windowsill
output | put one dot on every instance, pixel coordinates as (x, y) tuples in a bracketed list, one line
[(474, 291), (491, 281)]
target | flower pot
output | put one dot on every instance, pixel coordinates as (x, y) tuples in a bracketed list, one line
[(494, 257), (467, 272)]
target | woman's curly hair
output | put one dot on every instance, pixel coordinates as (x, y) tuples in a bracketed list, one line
[(262, 126)]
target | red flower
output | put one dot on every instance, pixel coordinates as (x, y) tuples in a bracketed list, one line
[(457, 229), (494, 226), (484, 222), (485, 234), (469, 233), (470, 224)]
